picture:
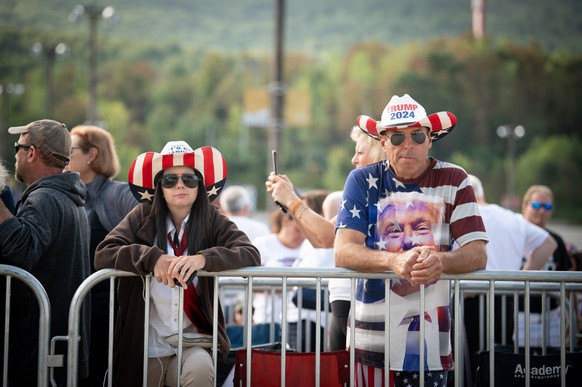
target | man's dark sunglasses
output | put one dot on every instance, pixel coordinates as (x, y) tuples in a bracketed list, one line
[(17, 146), (538, 205), (419, 137), (190, 180)]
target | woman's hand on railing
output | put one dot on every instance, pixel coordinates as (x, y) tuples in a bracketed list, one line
[(162, 272), (184, 268)]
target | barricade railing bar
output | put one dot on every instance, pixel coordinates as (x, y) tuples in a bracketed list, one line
[(231, 289), (44, 322), (526, 283), (529, 281), (74, 319)]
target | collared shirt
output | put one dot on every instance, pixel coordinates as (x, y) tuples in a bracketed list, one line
[(164, 308)]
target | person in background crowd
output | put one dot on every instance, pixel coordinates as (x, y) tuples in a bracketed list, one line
[(332, 204), (416, 205), (309, 256), (575, 257), (317, 229), (576, 265), (537, 206), (320, 232), (5, 192), (511, 237), (239, 314), (235, 201), (48, 237), (368, 149), (171, 238), (94, 157), (278, 249), (7, 198)]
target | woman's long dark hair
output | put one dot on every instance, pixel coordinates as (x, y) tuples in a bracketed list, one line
[(198, 226)]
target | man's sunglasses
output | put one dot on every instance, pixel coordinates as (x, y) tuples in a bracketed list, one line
[(17, 146), (190, 180), (419, 137), (538, 205)]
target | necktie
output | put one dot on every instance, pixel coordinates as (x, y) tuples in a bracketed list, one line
[(412, 354), (179, 246), (191, 301)]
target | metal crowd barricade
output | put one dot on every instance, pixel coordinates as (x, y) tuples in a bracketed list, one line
[(284, 277), (234, 287), (249, 279), (523, 283), (548, 291), (74, 318), (44, 321)]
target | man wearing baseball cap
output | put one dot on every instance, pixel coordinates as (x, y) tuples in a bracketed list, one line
[(49, 237), (402, 214)]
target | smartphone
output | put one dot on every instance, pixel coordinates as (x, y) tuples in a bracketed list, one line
[(188, 282), (274, 157)]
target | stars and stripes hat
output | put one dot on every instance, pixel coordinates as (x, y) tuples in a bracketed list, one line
[(145, 169), (404, 112)]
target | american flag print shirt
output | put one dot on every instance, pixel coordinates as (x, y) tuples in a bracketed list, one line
[(435, 209)]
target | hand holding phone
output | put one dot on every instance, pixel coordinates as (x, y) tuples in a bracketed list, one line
[(188, 281), (274, 156)]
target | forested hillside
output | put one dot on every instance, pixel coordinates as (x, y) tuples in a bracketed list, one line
[(311, 26)]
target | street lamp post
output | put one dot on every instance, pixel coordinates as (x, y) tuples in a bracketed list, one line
[(93, 13), (277, 86), (512, 134), (49, 51)]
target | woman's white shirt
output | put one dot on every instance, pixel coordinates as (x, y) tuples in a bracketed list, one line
[(164, 308)]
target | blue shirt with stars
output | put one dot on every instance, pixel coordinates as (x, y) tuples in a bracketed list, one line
[(396, 215)]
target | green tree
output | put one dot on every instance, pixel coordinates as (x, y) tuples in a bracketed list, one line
[(555, 161)]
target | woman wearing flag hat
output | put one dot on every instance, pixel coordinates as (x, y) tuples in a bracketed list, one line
[(172, 235)]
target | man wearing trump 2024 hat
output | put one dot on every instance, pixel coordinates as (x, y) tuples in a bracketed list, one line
[(402, 214), (48, 237)]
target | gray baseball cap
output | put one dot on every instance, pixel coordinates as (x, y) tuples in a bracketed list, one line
[(52, 138)]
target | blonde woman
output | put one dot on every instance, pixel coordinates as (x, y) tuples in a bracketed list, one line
[(93, 156)]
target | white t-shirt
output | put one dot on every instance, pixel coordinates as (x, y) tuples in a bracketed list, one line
[(252, 227), (340, 289), (511, 237), (274, 254), (310, 256)]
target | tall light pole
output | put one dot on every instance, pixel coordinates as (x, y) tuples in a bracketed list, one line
[(512, 134), (6, 91), (49, 51), (277, 86), (478, 7), (93, 13)]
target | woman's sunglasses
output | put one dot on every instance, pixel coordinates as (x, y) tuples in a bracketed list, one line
[(538, 205), (190, 180), (419, 137)]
